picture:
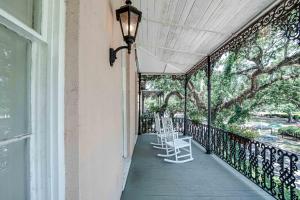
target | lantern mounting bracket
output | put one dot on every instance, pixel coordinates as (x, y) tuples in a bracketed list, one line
[(113, 53)]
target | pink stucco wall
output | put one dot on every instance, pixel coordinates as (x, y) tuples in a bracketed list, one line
[(93, 103)]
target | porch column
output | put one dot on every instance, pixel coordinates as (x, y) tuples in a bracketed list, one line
[(208, 146), (143, 98), (139, 106), (185, 104)]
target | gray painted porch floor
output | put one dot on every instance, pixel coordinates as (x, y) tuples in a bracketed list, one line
[(150, 178)]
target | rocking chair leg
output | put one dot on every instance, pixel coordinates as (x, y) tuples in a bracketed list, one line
[(176, 150), (159, 145), (168, 154), (191, 152)]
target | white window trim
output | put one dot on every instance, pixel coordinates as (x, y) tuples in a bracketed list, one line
[(56, 69), (125, 110), (50, 45)]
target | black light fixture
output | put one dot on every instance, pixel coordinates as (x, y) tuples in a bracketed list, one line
[(129, 18)]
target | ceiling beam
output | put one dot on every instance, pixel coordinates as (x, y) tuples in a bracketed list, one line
[(185, 26), (170, 49)]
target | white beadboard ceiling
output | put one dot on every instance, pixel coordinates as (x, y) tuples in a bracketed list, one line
[(175, 34)]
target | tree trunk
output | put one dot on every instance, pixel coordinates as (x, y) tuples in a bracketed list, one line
[(213, 117), (290, 117), (171, 115)]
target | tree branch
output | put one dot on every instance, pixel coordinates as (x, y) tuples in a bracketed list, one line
[(245, 71), (288, 61), (167, 98), (252, 91), (197, 96)]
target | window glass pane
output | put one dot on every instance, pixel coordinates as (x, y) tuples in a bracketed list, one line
[(14, 85), (14, 171), (28, 11)]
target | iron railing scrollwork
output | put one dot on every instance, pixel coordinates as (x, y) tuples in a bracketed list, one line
[(271, 168), (284, 16), (147, 124), (290, 25)]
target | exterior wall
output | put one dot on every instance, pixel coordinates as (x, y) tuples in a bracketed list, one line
[(71, 101), (94, 132)]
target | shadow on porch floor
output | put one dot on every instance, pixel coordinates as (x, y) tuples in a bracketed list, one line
[(150, 178)]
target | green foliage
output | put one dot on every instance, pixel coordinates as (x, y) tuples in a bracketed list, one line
[(195, 117), (261, 75), (244, 132), (240, 115), (175, 105), (293, 131), (152, 106), (167, 85)]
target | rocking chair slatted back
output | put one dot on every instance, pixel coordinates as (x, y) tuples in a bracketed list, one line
[(168, 129), (157, 123)]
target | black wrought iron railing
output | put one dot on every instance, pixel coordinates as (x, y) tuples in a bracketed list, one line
[(271, 168), (147, 124)]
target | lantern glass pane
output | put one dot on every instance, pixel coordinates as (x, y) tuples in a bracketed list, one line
[(133, 23), (124, 22), (129, 30)]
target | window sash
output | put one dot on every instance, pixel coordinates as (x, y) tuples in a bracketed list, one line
[(46, 68)]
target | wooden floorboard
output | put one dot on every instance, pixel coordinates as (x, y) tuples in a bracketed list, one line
[(150, 178)]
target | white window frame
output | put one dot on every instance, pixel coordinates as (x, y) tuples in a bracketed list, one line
[(48, 49)]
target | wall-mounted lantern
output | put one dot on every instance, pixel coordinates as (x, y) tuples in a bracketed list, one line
[(129, 18)]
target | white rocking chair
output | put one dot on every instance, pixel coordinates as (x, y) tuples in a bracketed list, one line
[(161, 137), (159, 133), (174, 145)]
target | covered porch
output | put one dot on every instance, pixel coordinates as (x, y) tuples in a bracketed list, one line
[(247, 62)]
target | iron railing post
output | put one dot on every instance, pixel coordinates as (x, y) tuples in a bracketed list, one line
[(185, 105), (208, 145), (139, 120), (143, 98)]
